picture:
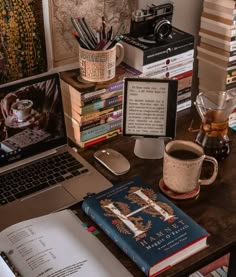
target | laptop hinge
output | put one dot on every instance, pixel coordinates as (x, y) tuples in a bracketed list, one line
[(28, 160)]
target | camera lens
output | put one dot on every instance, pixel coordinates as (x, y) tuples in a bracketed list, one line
[(162, 29)]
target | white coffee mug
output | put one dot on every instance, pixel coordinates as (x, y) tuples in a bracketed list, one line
[(21, 109), (182, 166)]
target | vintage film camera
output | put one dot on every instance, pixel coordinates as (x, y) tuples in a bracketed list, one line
[(153, 23)]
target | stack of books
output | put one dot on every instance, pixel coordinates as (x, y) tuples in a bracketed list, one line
[(217, 47), (172, 58), (93, 111)]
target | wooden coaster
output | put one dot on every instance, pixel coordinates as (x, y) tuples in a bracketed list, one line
[(179, 196)]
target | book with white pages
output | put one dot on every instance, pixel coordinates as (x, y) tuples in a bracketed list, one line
[(56, 245)]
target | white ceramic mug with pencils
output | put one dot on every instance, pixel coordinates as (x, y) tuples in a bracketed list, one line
[(100, 65)]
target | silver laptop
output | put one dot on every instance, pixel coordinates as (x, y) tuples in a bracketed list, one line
[(39, 172)]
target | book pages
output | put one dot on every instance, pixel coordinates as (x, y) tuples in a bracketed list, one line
[(57, 245)]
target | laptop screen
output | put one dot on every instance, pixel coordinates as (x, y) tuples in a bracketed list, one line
[(31, 118)]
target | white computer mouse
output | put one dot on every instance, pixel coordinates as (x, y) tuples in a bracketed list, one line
[(113, 160)]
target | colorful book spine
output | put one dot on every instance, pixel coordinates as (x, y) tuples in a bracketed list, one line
[(91, 115), (164, 74), (184, 104), (97, 139), (183, 75), (185, 82), (168, 61), (184, 93), (74, 128), (101, 120), (103, 96), (101, 104)]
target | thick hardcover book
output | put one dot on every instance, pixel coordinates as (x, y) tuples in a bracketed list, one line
[(98, 139), (148, 227), (210, 86), (184, 94), (185, 83), (220, 77), (139, 53), (101, 104), (219, 43), (219, 19), (55, 245), (216, 8), (183, 75), (169, 67), (213, 26), (219, 62), (221, 36), (86, 92), (217, 52), (212, 77), (102, 120), (92, 107), (73, 128), (168, 61), (105, 118), (225, 87), (68, 109), (187, 103), (224, 3), (172, 71)]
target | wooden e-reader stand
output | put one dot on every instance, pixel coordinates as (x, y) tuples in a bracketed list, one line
[(149, 114)]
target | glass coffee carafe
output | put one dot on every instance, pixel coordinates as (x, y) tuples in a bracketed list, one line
[(214, 109)]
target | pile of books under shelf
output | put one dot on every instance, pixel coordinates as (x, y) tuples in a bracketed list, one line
[(93, 111), (172, 58), (217, 47)]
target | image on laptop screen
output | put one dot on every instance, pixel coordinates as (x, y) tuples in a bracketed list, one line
[(31, 118)]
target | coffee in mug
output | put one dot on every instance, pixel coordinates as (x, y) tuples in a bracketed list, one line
[(182, 166), (184, 154)]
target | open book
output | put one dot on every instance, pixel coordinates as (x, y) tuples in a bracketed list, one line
[(55, 245)]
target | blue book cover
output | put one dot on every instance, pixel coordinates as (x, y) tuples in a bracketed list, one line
[(147, 226)]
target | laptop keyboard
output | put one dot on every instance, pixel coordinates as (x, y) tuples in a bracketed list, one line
[(38, 176)]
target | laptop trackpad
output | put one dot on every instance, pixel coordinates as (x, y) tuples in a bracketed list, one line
[(49, 201)]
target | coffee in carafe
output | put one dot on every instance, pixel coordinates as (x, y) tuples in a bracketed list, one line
[(214, 109)]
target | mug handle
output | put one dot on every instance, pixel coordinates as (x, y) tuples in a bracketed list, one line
[(121, 53), (214, 174)]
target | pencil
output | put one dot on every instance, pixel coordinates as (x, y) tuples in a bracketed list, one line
[(103, 28), (87, 36), (81, 42), (89, 30)]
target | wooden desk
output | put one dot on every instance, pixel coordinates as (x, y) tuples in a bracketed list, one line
[(214, 209)]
